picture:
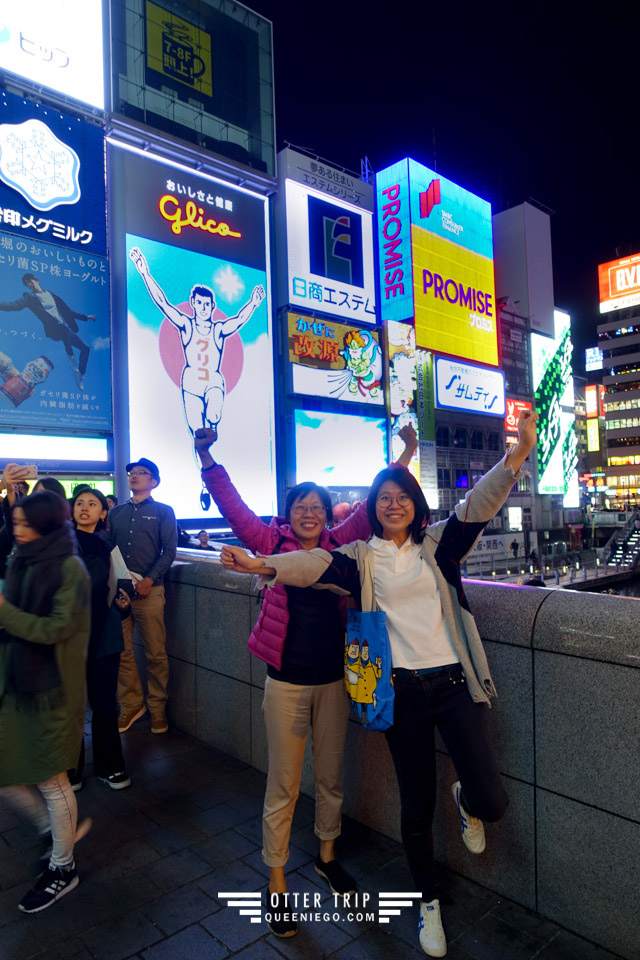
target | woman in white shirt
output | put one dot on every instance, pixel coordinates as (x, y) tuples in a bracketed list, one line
[(411, 570)]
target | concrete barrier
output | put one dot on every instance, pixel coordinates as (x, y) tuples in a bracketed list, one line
[(567, 669)]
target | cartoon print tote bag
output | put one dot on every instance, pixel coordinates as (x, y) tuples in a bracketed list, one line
[(367, 668)]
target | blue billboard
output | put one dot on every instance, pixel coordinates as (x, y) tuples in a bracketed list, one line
[(52, 176), (55, 340)]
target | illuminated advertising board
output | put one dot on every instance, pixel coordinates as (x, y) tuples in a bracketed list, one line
[(192, 269), (464, 386), (514, 409), (401, 351), (619, 283), (425, 395), (594, 400), (593, 358), (202, 70), (329, 255), (593, 436), (56, 45), (55, 333), (52, 183), (436, 261), (339, 450), (55, 337), (554, 401), (332, 360)]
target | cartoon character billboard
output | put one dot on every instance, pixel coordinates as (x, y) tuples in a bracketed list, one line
[(332, 360), (198, 328)]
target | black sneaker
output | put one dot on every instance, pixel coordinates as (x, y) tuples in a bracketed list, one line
[(54, 883), (117, 781), (338, 879), (281, 923)]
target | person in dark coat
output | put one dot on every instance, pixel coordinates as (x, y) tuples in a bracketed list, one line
[(105, 645), (44, 632)]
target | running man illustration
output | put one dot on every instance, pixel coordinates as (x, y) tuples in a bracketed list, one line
[(59, 322), (202, 337)]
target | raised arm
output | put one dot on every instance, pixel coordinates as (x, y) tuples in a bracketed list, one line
[(410, 439), (246, 525), (463, 528), (232, 324), (156, 292), (15, 305)]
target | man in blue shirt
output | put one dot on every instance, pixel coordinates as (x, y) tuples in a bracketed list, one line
[(146, 533)]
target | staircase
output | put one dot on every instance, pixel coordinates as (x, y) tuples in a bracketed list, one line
[(625, 551)]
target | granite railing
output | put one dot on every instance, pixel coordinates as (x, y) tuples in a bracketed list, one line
[(565, 724)]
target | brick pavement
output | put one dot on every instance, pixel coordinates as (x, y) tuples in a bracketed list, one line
[(188, 828)]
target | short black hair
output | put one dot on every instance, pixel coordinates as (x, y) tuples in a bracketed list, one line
[(112, 496), (202, 531), (199, 290), (50, 483), (28, 276), (408, 483), (45, 511), (85, 488), (303, 490)]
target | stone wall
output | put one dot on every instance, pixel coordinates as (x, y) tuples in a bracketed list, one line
[(567, 669)]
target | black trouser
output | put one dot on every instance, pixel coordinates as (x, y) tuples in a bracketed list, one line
[(71, 339), (102, 686), (422, 703)]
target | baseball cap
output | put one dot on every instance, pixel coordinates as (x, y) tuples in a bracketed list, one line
[(148, 465)]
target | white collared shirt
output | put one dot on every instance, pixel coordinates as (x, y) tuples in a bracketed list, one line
[(406, 590)]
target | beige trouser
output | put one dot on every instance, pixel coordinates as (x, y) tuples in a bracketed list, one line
[(289, 709), (148, 612)]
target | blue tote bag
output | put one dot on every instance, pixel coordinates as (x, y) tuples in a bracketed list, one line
[(367, 668)]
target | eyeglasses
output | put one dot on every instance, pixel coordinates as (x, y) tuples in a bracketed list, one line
[(317, 510), (139, 473), (402, 500)]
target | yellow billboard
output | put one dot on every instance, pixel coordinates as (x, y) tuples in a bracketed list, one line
[(178, 49), (454, 298), (593, 436)]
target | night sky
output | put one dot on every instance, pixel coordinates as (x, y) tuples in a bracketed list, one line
[(521, 104)]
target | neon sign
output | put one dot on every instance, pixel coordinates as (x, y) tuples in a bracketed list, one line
[(193, 217)]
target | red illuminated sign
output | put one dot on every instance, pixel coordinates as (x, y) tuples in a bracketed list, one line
[(594, 398), (513, 412), (619, 282)]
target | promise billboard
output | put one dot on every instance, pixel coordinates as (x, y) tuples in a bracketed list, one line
[(436, 261)]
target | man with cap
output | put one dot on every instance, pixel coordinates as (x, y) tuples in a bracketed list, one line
[(146, 533)]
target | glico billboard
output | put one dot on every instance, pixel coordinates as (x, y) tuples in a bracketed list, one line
[(436, 261), (619, 283), (191, 275), (553, 386)]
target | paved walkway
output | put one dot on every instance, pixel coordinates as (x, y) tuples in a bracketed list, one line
[(188, 829)]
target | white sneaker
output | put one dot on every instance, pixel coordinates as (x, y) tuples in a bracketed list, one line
[(472, 828), (432, 938)]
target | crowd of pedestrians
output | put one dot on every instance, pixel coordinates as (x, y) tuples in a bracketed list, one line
[(77, 575), (72, 586)]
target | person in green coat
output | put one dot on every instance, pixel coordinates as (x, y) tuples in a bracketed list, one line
[(44, 632)]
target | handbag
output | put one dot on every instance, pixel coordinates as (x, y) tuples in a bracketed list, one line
[(367, 668)]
